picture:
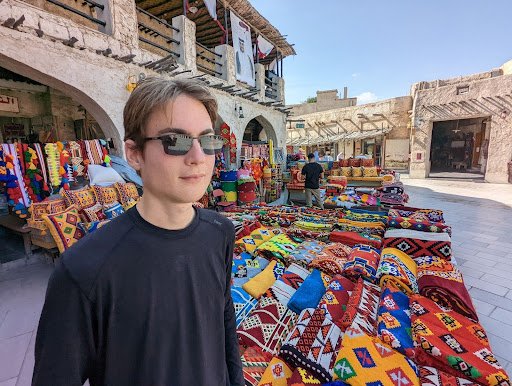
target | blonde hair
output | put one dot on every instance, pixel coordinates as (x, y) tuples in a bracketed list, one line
[(154, 93)]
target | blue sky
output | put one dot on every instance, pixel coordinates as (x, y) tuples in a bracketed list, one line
[(379, 48)]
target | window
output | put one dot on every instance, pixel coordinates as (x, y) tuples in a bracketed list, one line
[(462, 90)]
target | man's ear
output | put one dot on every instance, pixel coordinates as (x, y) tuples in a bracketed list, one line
[(133, 154)]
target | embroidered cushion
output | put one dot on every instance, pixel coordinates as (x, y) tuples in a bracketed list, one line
[(38, 209), (362, 261), (93, 213), (370, 172), (81, 198), (64, 228), (284, 287), (354, 162), (106, 195), (310, 292), (276, 374), (346, 171), (334, 301), (90, 227), (254, 364), (113, 210), (357, 171), (368, 162), (398, 268), (126, 192)]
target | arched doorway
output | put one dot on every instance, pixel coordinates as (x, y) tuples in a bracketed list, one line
[(256, 139), (73, 102)]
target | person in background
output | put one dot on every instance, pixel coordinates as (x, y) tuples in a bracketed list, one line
[(312, 172), (146, 299), (328, 157)]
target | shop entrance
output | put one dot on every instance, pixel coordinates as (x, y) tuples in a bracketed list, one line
[(457, 148)]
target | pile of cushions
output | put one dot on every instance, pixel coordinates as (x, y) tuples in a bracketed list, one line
[(80, 212), (228, 181), (338, 313)]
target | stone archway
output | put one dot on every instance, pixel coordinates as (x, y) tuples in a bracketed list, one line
[(96, 89), (264, 127)]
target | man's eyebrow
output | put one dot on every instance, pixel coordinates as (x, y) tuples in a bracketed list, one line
[(175, 130)]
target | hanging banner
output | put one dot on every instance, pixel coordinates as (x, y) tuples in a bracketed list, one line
[(244, 61), (9, 103), (211, 5), (264, 47)]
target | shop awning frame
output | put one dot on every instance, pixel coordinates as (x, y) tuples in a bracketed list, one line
[(350, 136)]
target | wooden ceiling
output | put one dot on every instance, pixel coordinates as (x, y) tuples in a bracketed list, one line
[(210, 33)]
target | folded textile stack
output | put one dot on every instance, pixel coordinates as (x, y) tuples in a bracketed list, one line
[(229, 185), (418, 244)]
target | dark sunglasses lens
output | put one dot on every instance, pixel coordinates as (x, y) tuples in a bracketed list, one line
[(211, 144), (177, 145)]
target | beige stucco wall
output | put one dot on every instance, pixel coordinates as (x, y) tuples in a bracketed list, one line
[(441, 103), (98, 82)]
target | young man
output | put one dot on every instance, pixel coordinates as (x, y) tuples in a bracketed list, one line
[(313, 172), (146, 299)]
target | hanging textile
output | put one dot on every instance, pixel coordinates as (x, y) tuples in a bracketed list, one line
[(76, 158), (264, 47), (18, 194), (94, 151), (42, 166), (211, 5), (53, 159), (242, 43), (232, 148)]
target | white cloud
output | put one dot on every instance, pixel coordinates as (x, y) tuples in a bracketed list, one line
[(356, 75), (366, 97)]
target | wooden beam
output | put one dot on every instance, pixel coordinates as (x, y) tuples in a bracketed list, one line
[(163, 8)]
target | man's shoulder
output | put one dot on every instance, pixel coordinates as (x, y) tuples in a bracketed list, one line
[(217, 221), (86, 258)]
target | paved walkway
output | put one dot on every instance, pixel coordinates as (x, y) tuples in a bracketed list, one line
[(481, 216)]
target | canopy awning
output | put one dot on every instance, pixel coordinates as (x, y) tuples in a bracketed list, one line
[(318, 140)]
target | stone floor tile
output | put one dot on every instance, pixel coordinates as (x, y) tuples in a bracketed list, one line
[(472, 243), (499, 301), (480, 260), (9, 382), (494, 279), (470, 271), (497, 328), (19, 321), (502, 315), (483, 308), (500, 347), (490, 287), (27, 369), (12, 354)]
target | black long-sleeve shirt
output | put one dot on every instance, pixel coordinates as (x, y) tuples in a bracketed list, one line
[(134, 304)]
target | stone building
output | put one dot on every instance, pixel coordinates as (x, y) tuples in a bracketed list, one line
[(325, 100), (379, 129), (70, 65), (463, 122)]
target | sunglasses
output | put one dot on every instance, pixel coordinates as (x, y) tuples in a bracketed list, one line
[(180, 144)]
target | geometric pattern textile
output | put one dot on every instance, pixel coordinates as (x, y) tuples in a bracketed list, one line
[(64, 227), (433, 215), (353, 238), (267, 325), (245, 267), (362, 308), (334, 302), (366, 360), (113, 210), (312, 344), (284, 287), (430, 376), (81, 198), (453, 343), (278, 247), (362, 261), (260, 283), (394, 321), (328, 263), (442, 282), (302, 377), (418, 244), (424, 226), (126, 192), (397, 267), (305, 253), (255, 239), (243, 303), (106, 195), (254, 362), (276, 374)]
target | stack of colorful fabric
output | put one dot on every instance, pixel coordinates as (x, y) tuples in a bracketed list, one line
[(246, 187), (418, 244), (399, 269), (228, 181)]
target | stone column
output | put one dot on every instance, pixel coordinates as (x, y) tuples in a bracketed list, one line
[(228, 63), (187, 39), (280, 89), (121, 19), (260, 80)]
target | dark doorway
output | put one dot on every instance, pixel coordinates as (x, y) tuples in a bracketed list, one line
[(456, 149)]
